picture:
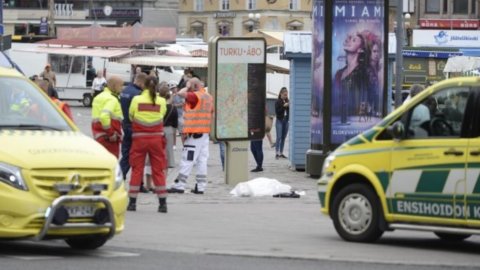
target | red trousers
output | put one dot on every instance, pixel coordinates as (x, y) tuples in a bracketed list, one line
[(112, 147), (154, 146)]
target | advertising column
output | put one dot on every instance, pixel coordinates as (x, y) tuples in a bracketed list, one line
[(237, 81), (357, 67), (349, 73)]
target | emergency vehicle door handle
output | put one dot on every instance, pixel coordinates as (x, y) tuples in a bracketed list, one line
[(453, 152), (475, 153)]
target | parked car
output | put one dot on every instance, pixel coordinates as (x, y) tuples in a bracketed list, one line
[(55, 182)]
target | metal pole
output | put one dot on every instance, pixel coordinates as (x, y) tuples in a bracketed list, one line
[(399, 56), (51, 18)]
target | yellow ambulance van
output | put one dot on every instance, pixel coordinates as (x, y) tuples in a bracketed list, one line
[(418, 169), (55, 182)]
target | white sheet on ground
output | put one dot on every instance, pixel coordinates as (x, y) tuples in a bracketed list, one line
[(260, 187)]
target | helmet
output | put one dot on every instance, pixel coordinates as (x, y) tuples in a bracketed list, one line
[(171, 84)]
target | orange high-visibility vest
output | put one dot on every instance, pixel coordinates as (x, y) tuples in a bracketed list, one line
[(198, 119)]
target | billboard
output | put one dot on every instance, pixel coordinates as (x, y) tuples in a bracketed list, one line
[(318, 40), (445, 38), (240, 88), (357, 67)]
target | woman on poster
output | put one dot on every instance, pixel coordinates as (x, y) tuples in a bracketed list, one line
[(350, 85)]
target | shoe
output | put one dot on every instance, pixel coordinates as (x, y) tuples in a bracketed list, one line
[(277, 156), (257, 170), (143, 189), (132, 207), (175, 190), (196, 191), (283, 156), (162, 208)]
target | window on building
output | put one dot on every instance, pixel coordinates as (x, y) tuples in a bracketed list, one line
[(432, 6), (224, 4), (460, 6), (474, 7), (294, 4), (251, 4), (224, 29), (199, 5), (445, 6)]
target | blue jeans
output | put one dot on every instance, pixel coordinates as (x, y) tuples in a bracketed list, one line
[(281, 127), (257, 150), (222, 154)]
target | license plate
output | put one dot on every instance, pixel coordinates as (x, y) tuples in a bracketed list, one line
[(81, 210)]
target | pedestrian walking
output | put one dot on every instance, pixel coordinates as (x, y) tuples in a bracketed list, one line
[(107, 116), (198, 117), (281, 125), (146, 113), (130, 91)]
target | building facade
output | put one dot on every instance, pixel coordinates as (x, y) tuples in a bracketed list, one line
[(29, 17), (207, 18)]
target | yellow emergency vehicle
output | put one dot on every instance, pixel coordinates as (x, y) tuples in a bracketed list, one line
[(418, 169), (55, 182)]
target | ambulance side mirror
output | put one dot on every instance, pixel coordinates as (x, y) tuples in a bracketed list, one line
[(397, 130)]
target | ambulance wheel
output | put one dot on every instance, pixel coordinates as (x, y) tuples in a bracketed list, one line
[(93, 241), (87, 100), (452, 237), (356, 214)]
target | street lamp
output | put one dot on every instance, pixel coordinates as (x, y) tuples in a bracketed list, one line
[(255, 17)]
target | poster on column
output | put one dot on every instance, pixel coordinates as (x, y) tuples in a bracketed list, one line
[(358, 66), (318, 40)]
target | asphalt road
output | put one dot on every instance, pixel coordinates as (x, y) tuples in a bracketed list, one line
[(216, 231)]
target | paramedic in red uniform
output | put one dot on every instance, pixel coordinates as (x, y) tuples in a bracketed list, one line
[(146, 113), (107, 116), (197, 120)]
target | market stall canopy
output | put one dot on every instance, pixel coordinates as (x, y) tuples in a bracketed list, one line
[(182, 61), (74, 51), (97, 36), (271, 37), (462, 64), (162, 60)]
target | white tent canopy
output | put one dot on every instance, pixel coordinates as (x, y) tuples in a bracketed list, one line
[(462, 64), (162, 60), (77, 51)]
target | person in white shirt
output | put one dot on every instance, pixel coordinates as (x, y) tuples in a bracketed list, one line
[(420, 114), (98, 83)]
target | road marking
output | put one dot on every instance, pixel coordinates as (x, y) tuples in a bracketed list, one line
[(33, 258), (111, 254)]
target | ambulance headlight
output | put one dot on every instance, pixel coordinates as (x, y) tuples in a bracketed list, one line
[(118, 177), (327, 162), (12, 176)]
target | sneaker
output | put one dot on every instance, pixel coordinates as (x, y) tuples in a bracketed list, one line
[(162, 208), (257, 170), (132, 207), (175, 190), (277, 156), (283, 156)]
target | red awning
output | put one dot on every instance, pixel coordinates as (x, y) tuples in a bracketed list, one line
[(97, 36)]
